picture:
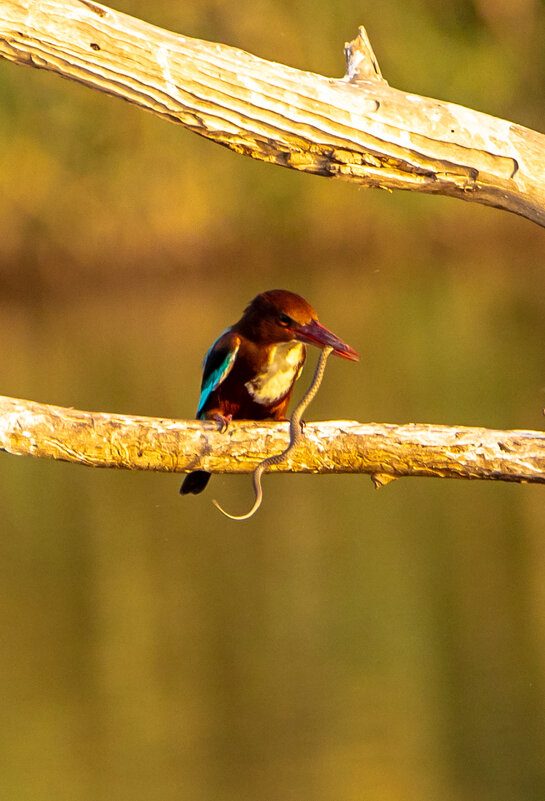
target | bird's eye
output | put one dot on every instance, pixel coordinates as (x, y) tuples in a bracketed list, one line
[(283, 319)]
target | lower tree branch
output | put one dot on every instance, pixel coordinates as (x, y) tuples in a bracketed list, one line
[(385, 451)]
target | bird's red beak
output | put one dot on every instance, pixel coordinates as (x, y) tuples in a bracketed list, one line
[(316, 334)]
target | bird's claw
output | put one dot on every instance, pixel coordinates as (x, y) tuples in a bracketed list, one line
[(222, 421)]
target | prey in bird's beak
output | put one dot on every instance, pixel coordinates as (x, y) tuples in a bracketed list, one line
[(314, 333)]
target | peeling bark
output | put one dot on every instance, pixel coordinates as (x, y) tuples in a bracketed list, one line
[(356, 128)]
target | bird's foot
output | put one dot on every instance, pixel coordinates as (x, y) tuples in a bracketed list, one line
[(221, 421)]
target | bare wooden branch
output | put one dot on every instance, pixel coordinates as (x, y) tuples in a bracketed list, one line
[(338, 446), (357, 128)]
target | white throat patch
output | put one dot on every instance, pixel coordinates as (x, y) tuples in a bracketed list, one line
[(278, 374)]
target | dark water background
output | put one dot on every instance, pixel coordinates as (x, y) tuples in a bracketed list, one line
[(344, 644)]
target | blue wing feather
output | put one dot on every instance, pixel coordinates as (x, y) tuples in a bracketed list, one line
[(217, 365)]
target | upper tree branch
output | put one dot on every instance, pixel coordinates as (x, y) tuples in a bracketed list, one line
[(356, 128), (340, 446)]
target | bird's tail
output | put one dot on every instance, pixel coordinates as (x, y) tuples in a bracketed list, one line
[(195, 482)]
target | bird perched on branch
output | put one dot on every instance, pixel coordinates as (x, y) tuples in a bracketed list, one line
[(250, 370)]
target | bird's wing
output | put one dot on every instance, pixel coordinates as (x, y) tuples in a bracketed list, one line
[(217, 364)]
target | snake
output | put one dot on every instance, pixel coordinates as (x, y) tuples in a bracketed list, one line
[(296, 436)]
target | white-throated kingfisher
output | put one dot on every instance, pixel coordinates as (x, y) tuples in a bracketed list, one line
[(250, 370)]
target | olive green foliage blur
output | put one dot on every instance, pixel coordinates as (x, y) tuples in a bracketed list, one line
[(344, 644)]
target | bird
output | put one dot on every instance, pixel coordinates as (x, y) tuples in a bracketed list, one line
[(250, 370)]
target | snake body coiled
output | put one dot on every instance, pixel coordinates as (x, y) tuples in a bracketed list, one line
[(296, 436)]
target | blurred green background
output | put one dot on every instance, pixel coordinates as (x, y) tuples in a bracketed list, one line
[(344, 644)]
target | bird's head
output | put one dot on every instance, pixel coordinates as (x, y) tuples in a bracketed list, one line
[(282, 316)]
